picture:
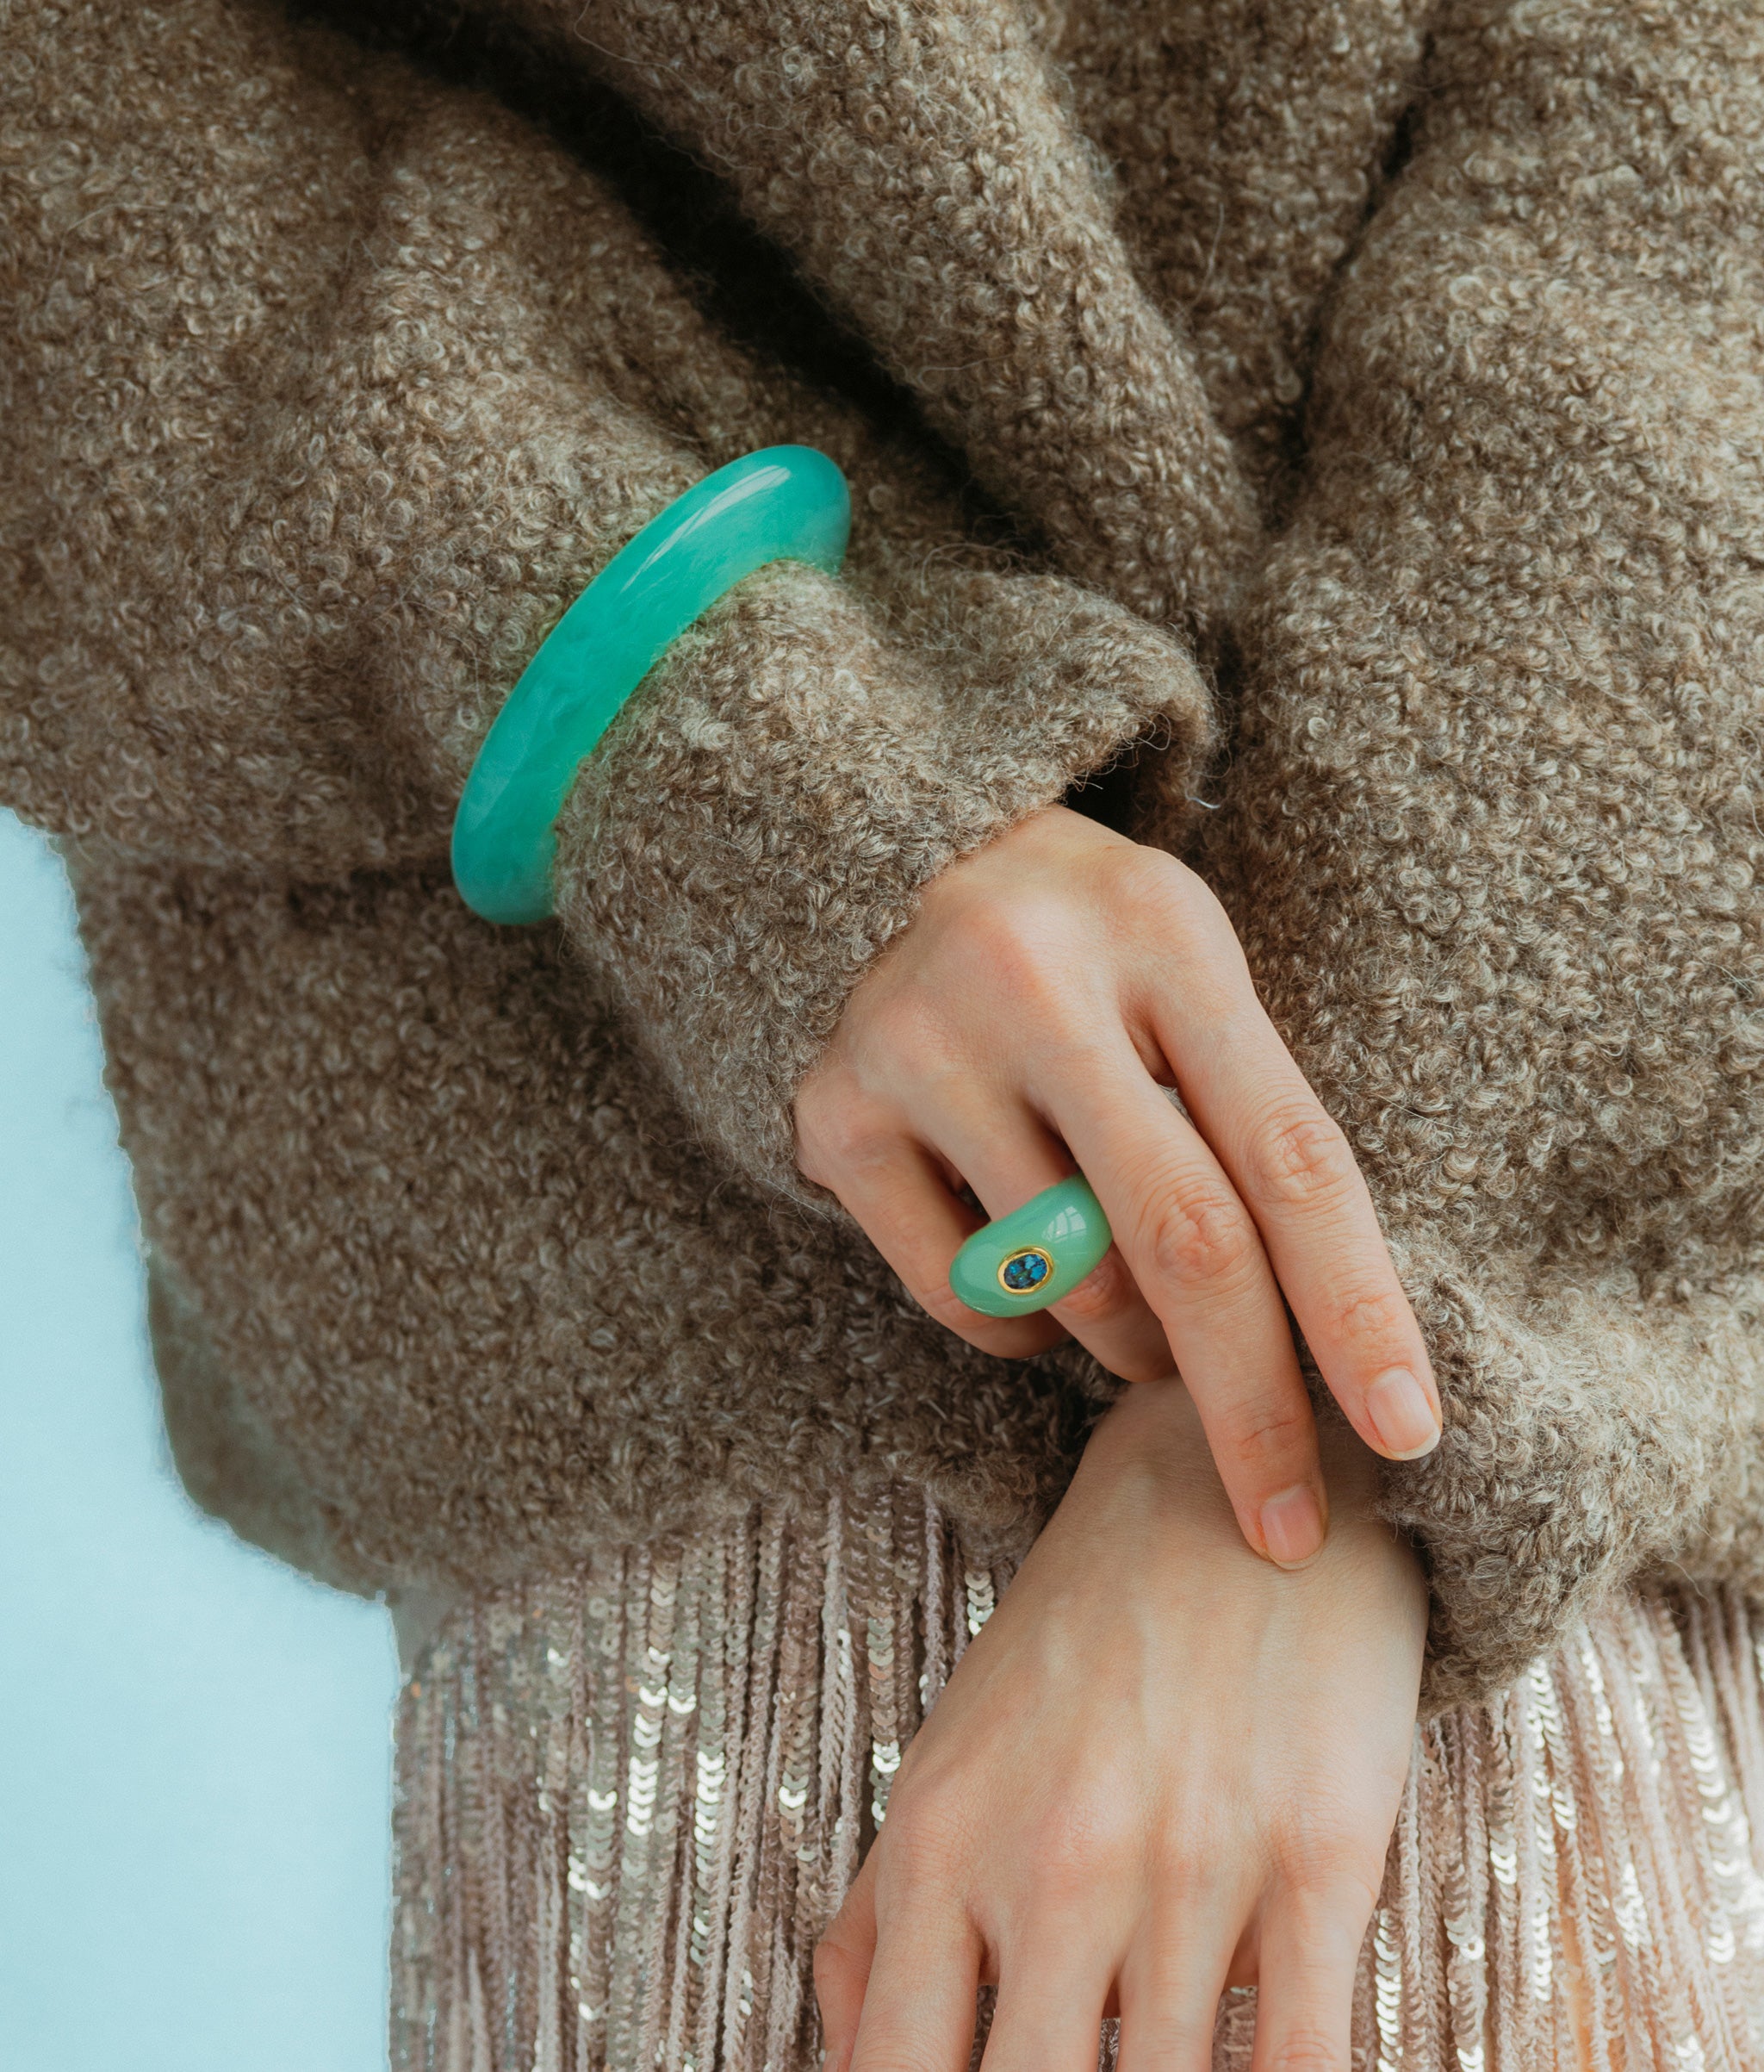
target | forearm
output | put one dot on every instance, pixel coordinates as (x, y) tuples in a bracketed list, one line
[(1101, 435), (765, 820), (308, 452), (389, 375)]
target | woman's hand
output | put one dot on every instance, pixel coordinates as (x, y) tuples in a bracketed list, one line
[(1162, 1768), (1053, 984)]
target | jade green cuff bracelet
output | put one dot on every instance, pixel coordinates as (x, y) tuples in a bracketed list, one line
[(785, 503)]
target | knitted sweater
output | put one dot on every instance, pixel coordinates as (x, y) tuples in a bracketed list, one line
[(1346, 415)]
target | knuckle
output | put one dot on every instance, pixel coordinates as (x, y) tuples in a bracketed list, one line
[(1304, 2048), (1332, 1864), (911, 1036), (1188, 1856), (1082, 1840), (1033, 959), (1301, 1160), (1264, 1435), (1184, 1861), (838, 1125), (1173, 899), (1371, 1316), (835, 1962), (1307, 1858), (1030, 968), (922, 1846), (1198, 1234), (1141, 876), (818, 1100), (1009, 937)]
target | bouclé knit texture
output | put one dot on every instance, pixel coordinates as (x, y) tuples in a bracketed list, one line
[(1392, 370), (1490, 831)]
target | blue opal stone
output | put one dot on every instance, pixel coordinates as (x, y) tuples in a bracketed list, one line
[(1024, 1272)]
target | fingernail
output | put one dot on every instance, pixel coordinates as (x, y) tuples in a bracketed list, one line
[(1292, 1526), (1404, 1420)]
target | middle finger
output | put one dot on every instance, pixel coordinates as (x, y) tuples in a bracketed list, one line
[(1196, 1253), (1051, 1994), (1295, 1172)]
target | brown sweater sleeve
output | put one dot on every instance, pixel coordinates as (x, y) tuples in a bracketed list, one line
[(1492, 833), (923, 165), (325, 388)]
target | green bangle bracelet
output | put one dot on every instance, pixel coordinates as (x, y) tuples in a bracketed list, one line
[(785, 503), (1035, 1255)]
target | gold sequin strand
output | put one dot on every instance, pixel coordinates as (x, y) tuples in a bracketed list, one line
[(629, 1801), (1574, 1883)]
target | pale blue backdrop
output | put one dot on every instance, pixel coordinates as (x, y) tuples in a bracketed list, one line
[(193, 1741)]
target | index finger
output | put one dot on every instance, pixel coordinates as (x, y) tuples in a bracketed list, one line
[(1296, 1173)]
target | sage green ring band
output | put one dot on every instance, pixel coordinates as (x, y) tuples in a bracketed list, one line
[(783, 503), (1035, 1255)]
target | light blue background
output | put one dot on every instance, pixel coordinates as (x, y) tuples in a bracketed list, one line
[(195, 1759)]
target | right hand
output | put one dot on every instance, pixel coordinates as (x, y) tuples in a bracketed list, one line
[(1052, 983), (1159, 1770)]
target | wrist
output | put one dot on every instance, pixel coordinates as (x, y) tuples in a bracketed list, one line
[(1154, 1431), (1147, 1477)]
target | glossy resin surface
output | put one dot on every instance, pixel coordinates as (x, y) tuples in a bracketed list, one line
[(1036, 1255), (783, 503)]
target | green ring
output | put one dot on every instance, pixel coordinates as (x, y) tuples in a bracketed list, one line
[(1065, 1223), (783, 503)]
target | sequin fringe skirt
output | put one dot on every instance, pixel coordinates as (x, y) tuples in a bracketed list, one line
[(629, 1803)]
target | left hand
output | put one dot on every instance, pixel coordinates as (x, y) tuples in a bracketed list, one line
[(1164, 1766), (1053, 983)]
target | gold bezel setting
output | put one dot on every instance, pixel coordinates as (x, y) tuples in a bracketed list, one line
[(1039, 1284)]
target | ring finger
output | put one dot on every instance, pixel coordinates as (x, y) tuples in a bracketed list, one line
[(897, 1192), (1170, 1988), (1007, 1156), (1309, 1951)]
